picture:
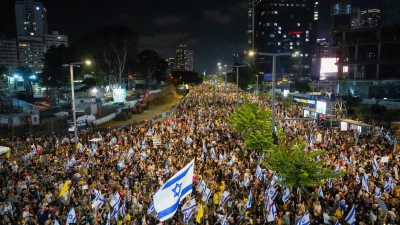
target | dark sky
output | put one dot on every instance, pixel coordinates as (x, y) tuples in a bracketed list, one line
[(213, 29)]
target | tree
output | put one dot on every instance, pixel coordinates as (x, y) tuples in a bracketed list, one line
[(299, 168), (254, 125), (303, 87), (351, 100), (148, 63), (110, 48), (54, 75)]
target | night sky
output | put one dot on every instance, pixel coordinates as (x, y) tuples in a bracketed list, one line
[(214, 30)]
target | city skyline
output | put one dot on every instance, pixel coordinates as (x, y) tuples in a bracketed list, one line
[(214, 31)]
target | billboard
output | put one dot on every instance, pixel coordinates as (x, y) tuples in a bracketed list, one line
[(119, 95), (267, 76), (329, 69), (321, 107)]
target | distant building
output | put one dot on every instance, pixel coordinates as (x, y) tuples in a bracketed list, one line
[(341, 14), (55, 39), (184, 59), (323, 48), (238, 58), (171, 65), (8, 54), (391, 12)]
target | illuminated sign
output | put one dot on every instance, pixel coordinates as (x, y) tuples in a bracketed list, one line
[(302, 100), (119, 95), (295, 32), (267, 76), (343, 126), (321, 107)]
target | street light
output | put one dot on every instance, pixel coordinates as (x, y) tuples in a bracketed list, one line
[(71, 71), (257, 83), (274, 55), (237, 82)]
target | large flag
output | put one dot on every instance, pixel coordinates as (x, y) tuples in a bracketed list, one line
[(225, 196), (272, 213), (286, 194), (151, 208), (168, 197), (121, 164), (115, 212), (71, 217), (365, 183), (201, 187), (115, 199), (305, 219), (351, 217), (200, 214), (64, 188), (249, 200)]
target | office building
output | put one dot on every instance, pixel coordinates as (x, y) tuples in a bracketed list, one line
[(183, 59), (8, 54), (341, 14), (323, 48), (391, 12), (55, 39), (171, 65), (283, 26)]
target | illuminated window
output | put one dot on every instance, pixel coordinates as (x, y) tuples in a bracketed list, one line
[(298, 24), (301, 55), (268, 24), (291, 43), (279, 31), (298, 35), (32, 34), (291, 47), (275, 24), (297, 43), (284, 35), (272, 35), (279, 43), (307, 39), (306, 55)]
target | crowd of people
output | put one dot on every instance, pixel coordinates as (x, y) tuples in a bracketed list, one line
[(109, 177)]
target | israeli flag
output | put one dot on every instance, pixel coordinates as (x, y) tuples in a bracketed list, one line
[(305, 219), (57, 143), (365, 183), (73, 140), (388, 137), (71, 216), (250, 199), (260, 159), (337, 169), (320, 192), (130, 153), (166, 173), (115, 212), (351, 217), (33, 151), (272, 213), (64, 140), (189, 205), (246, 181), (259, 172), (87, 163), (375, 167), (201, 187), (358, 181), (234, 175), (345, 160), (27, 180), (202, 157), (122, 209), (206, 195), (232, 160), (337, 223), (115, 199), (143, 155), (213, 156), (93, 152), (71, 162), (224, 197), (188, 140), (377, 191), (151, 208), (286, 194), (388, 184), (168, 197), (108, 218), (204, 149), (221, 157), (330, 182), (144, 143), (113, 141), (121, 164)]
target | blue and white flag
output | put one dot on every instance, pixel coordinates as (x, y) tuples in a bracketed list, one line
[(115, 212), (27, 180), (365, 183), (234, 175), (249, 200), (345, 160), (270, 194), (188, 140), (201, 187), (232, 160), (71, 162), (188, 209), (151, 208), (168, 197), (337, 169), (351, 217), (57, 143), (206, 195), (87, 163), (320, 192), (358, 180), (259, 172), (143, 155), (73, 140), (113, 141), (115, 199), (121, 164), (246, 181), (388, 184), (377, 191), (330, 182), (387, 136), (108, 218), (272, 213), (261, 158), (122, 211), (224, 197), (213, 156), (93, 151), (166, 173), (305, 219), (204, 149), (38, 194), (375, 167), (286, 194), (202, 157), (33, 150), (130, 153), (337, 223), (221, 158), (71, 216)]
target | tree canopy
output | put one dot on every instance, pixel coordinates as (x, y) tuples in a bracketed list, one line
[(148, 63), (54, 75)]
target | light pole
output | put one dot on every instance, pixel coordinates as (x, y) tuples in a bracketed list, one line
[(257, 83), (274, 55), (237, 82), (71, 71)]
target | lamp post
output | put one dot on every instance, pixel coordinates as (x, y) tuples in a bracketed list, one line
[(71, 71), (274, 55), (237, 82), (257, 84)]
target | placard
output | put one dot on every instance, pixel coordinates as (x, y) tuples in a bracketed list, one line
[(385, 159)]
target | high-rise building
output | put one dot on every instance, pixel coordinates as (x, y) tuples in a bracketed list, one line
[(31, 21), (250, 24), (323, 48), (55, 39), (184, 59), (8, 54), (171, 65), (391, 12), (286, 26), (341, 14), (189, 60)]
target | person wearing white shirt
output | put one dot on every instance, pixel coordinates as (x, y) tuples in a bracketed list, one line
[(326, 217)]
